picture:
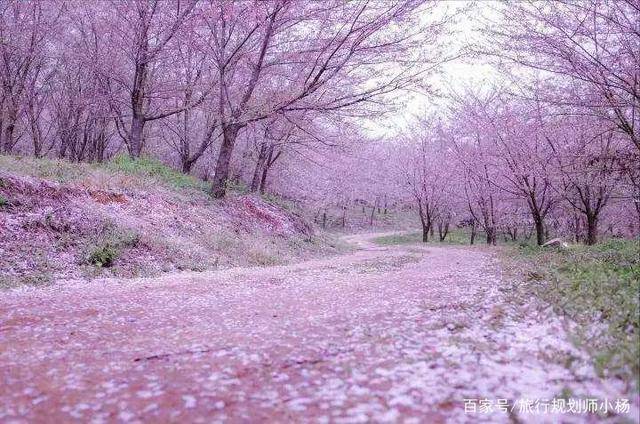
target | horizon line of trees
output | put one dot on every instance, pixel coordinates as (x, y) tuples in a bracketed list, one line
[(559, 140), (550, 150)]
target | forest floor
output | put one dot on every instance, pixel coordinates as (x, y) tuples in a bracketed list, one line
[(385, 334)]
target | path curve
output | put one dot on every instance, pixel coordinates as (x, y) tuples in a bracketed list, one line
[(383, 334)]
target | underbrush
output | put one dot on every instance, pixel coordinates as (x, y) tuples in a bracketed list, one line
[(108, 245), (597, 287), (266, 251)]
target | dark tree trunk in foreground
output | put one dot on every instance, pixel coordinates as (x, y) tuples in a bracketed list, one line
[(539, 231), (136, 139), (592, 229)]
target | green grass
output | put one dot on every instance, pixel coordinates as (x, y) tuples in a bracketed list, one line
[(455, 237), (63, 171), (51, 169), (278, 201), (597, 287), (395, 239), (146, 168), (150, 167)]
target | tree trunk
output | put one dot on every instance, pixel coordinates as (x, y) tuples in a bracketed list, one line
[(539, 231), (136, 138), (186, 166), (62, 149), (257, 172), (491, 236), (8, 137), (36, 135), (472, 239), (221, 174), (592, 229), (425, 220), (443, 230), (425, 233), (136, 133), (546, 232), (265, 172)]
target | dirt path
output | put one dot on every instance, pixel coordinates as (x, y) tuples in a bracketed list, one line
[(384, 334)]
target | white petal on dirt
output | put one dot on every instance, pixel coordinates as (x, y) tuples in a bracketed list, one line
[(189, 401)]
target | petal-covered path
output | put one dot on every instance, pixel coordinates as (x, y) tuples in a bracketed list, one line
[(393, 334)]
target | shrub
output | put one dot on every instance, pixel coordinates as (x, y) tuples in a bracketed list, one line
[(109, 245), (3, 201), (236, 186), (103, 255)]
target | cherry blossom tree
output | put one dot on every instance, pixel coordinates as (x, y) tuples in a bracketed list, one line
[(24, 30), (194, 128), (141, 37), (520, 152), (585, 160), (273, 58), (590, 47), (426, 174)]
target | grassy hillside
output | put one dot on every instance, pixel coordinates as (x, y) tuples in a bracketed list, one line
[(135, 218)]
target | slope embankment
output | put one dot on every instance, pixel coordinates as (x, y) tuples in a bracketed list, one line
[(76, 221)]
